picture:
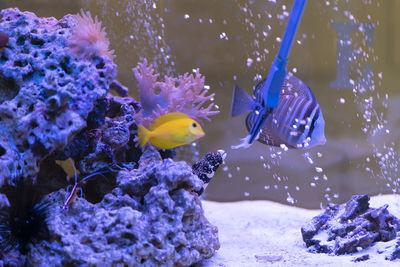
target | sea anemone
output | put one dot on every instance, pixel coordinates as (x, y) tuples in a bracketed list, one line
[(88, 38), (186, 94)]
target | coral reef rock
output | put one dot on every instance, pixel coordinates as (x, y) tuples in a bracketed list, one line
[(46, 93), (348, 228), (108, 138), (150, 219), (394, 253)]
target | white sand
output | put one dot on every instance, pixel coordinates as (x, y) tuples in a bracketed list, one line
[(265, 233)]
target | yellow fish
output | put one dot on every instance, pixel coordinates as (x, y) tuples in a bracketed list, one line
[(170, 130)]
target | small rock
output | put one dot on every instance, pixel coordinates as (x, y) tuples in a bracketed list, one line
[(4, 203), (350, 227), (396, 252), (355, 206), (362, 258)]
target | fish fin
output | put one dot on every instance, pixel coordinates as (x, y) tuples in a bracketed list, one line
[(241, 102), (167, 118), (143, 135), (244, 143)]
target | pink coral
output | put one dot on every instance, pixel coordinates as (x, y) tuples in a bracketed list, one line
[(88, 38), (183, 94)]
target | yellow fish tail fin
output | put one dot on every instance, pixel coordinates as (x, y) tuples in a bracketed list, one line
[(143, 135)]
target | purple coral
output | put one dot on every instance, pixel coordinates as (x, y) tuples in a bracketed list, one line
[(183, 94)]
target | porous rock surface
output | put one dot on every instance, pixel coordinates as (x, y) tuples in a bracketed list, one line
[(46, 93), (54, 105), (108, 138), (151, 219), (348, 228)]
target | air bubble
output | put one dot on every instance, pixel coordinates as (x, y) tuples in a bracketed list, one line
[(223, 36), (318, 169), (284, 147), (249, 62), (290, 199)]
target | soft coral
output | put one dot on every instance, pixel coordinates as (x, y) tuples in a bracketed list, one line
[(183, 94)]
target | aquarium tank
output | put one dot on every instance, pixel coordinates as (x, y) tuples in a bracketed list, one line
[(199, 133)]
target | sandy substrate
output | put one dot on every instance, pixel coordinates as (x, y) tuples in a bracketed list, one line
[(265, 233)]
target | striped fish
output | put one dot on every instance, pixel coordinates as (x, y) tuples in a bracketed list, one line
[(296, 122)]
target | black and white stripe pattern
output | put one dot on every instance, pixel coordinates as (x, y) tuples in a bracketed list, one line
[(293, 121)]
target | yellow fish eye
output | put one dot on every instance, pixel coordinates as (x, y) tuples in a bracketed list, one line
[(194, 125)]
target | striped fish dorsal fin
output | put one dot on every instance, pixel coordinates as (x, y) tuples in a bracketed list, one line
[(268, 135), (167, 118), (294, 86)]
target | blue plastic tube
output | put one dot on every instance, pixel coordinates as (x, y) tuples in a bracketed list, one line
[(272, 87)]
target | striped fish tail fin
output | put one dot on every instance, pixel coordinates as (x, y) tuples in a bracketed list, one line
[(241, 102)]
